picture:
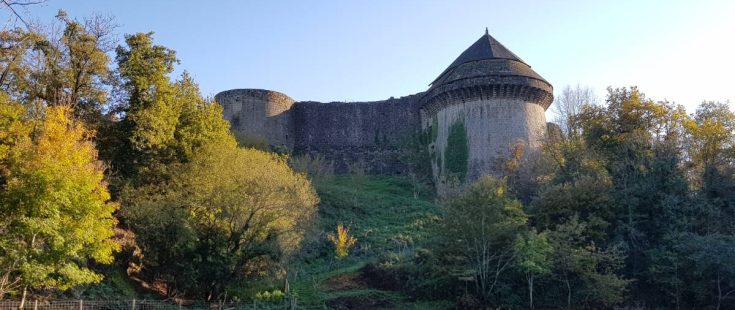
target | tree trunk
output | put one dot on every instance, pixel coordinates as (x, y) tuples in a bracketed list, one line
[(23, 299), (530, 290), (569, 293), (719, 291)]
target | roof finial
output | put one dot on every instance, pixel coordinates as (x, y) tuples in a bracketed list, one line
[(486, 32)]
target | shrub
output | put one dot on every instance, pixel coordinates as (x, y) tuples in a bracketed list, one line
[(342, 241), (316, 167), (246, 140), (229, 215)]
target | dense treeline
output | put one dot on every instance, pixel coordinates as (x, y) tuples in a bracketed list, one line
[(102, 160), (105, 159), (633, 204)]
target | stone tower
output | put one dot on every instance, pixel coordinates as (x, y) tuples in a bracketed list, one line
[(486, 103), (259, 112)]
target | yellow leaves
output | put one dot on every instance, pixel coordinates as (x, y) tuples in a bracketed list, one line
[(245, 194), (13, 129), (343, 242), (500, 191), (710, 133), (242, 203), (58, 201)]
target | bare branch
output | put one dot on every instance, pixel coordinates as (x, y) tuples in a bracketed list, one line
[(10, 4)]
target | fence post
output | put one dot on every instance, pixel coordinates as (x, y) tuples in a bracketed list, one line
[(35, 305), (133, 304), (81, 305)]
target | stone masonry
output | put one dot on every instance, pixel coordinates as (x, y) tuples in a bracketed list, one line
[(483, 105)]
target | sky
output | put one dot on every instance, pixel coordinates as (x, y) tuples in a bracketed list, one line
[(680, 51)]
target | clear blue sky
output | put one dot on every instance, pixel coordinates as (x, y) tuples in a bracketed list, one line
[(683, 51)]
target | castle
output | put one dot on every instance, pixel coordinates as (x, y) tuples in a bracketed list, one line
[(473, 114)]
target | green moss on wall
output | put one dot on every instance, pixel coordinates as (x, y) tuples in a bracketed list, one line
[(439, 162), (416, 153), (434, 129), (457, 151)]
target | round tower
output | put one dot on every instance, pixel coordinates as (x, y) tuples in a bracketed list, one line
[(485, 105), (259, 112)]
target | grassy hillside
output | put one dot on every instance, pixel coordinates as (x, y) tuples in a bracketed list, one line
[(386, 215)]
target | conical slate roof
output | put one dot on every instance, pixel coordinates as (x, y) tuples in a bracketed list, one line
[(484, 48), (485, 70)]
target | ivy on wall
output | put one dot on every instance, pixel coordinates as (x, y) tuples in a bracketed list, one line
[(457, 152), (416, 153)]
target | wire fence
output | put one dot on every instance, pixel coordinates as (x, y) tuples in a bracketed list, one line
[(140, 305)]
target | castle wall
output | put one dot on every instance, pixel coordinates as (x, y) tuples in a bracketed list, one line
[(263, 113), (371, 132), (475, 114), (481, 133)]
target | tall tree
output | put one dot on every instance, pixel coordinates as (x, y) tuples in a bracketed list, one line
[(68, 69), (711, 134), (620, 174), (163, 121), (150, 114), (586, 271), (533, 258), (55, 213), (568, 105), (481, 226)]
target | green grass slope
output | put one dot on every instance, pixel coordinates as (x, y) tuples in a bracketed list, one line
[(386, 215)]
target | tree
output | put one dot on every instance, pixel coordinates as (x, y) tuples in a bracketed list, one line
[(709, 266), (711, 134), (55, 213), (200, 120), (640, 143), (711, 131), (587, 272), (227, 215), (569, 104), (533, 253), (481, 226), (17, 45), (13, 6), (68, 69), (579, 185), (150, 114), (588, 198), (164, 122)]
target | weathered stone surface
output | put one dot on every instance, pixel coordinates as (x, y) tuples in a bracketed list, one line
[(371, 132), (260, 112), (483, 105), (493, 128), (345, 132)]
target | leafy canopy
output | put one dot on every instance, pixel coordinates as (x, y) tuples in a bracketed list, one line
[(55, 213), (229, 214)]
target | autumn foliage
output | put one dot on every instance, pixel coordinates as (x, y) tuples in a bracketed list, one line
[(342, 241)]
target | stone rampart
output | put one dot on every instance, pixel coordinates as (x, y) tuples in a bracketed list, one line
[(349, 132), (259, 112)]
